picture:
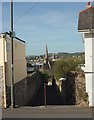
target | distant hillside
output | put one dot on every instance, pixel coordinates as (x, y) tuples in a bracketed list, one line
[(65, 54), (59, 55)]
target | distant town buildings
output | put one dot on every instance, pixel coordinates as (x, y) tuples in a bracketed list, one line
[(39, 62)]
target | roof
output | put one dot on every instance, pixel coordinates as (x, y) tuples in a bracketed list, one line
[(86, 19), (15, 37), (86, 9)]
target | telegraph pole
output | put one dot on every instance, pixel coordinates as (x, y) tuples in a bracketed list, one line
[(12, 56), (45, 94)]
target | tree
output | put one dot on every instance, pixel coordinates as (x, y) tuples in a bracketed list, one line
[(62, 67)]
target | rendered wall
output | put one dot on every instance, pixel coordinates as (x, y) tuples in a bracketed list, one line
[(2, 74), (20, 71), (89, 66), (1, 51)]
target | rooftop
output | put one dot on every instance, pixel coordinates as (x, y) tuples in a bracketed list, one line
[(86, 19), (14, 37)]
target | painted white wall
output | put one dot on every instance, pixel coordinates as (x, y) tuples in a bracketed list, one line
[(91, 99), (2, 64), (89, 86), (89, 66), (1, 51), (88, 54)]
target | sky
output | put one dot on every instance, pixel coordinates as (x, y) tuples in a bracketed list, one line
[(38, 23)]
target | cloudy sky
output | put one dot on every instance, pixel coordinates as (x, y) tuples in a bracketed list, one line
[(54, 23)]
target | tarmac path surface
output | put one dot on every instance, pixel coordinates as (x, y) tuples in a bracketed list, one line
[(48, 112)]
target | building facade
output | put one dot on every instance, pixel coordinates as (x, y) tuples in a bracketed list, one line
[(86, 27), (20, 71)]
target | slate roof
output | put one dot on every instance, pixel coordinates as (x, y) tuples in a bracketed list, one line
[(86, 19)]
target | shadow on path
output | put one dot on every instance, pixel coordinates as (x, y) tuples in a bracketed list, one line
[(53, 96)]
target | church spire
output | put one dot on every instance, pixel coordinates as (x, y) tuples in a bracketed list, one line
[(46, 54), (47, 65)]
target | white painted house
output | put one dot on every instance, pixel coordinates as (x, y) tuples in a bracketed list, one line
[(86, 27), (20, 71)]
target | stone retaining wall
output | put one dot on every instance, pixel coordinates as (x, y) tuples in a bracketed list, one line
[(25, 89)]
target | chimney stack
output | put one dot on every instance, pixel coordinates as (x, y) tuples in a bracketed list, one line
[(87, 4)]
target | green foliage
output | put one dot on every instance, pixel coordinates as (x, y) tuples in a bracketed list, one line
[(85, 97), (62, 67), (44, 74), (47, 75)]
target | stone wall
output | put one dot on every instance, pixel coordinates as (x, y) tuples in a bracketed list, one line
[(75, 89), (70, 89), (25, 89), (80, 87), (30, 91), (72, 93)]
